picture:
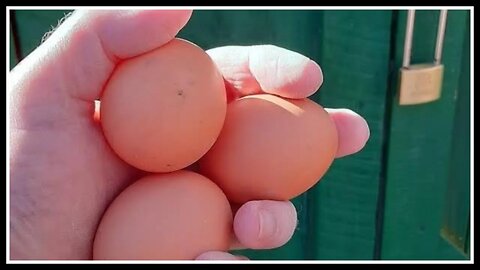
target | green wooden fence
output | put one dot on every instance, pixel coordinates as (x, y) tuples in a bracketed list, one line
[(407, 194)]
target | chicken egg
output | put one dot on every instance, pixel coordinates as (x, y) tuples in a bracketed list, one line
[(271, 148), (161, 111), (172, 216)]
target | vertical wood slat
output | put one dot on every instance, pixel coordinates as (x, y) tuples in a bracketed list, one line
[(456, 217), (355, 60)]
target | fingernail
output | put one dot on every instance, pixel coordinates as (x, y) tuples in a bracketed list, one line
[(268, 225), (313, 72)]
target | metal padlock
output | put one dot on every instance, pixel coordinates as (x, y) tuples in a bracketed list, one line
[(421, 83)]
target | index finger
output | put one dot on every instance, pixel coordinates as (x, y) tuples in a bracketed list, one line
[(267, 69)]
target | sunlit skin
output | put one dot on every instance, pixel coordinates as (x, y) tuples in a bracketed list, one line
[(63, 174)]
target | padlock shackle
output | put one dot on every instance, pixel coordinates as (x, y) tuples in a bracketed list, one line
[(407, 48), (442, 23)]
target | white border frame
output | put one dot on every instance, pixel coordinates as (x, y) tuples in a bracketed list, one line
[(8, 8)]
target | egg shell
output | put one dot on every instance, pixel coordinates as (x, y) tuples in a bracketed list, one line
[(161, 111), (172, 216), (271, 148)]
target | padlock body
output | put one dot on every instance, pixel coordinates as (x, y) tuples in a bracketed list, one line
[(420, 83)]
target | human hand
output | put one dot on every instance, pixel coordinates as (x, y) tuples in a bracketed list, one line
[(63, 175)]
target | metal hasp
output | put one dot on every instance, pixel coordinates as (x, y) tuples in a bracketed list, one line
[(421, 83)]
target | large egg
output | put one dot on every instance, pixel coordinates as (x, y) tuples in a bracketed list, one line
[(161, 111), (271, 148), (173, 216)]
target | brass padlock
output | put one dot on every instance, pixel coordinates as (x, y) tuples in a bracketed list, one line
[(421, 83)]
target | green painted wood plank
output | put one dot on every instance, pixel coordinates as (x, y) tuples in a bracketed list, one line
[(214, 28), (456, 220), (419, 149), (354, 57), (33, 24)]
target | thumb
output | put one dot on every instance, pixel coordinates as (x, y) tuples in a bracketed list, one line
[(78, 58)]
